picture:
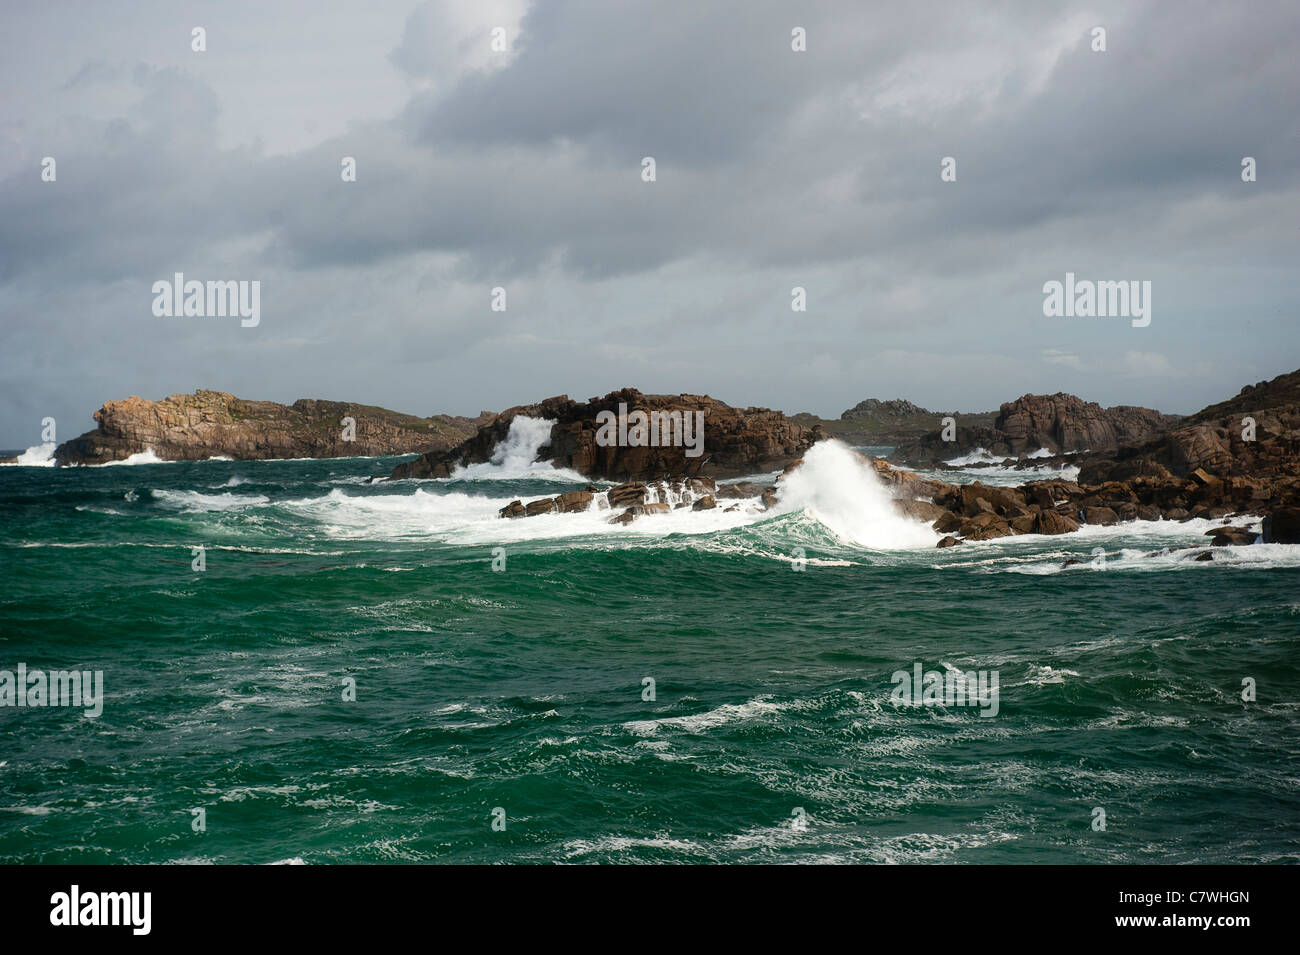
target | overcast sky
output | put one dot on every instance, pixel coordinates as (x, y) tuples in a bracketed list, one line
[(523, 169)]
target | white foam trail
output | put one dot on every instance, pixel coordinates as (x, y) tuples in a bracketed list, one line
[(839, 489), (515, 458), (40, 456), (978, 456), (147, 456), (197, 502)]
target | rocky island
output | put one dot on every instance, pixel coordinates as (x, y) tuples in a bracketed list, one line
[(210, 424)]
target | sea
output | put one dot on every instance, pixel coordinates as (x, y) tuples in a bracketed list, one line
[(296, 666)]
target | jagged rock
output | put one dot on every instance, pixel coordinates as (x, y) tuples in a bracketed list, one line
[(210, 424), (947, 523), (1177, 514), (513, 510), (1024, 524), (574, 501), (743, 489), (1058, 423), (545, 506), (1050, 522), (625, 494), (706, 503), (921, 510), (948, 542), (999, 500), (1100, 515)]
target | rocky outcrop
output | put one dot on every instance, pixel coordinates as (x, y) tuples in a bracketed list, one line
[(736, 441), (891, 422), (635, 499), (1253, 436), (210, 424), (1057, 423)]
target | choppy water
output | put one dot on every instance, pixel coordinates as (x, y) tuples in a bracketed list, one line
[(522, 689)]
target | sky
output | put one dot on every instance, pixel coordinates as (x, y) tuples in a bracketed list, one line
[(522, 169)]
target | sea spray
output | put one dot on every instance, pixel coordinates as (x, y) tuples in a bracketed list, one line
[(39, 456), (516, 456), (838, 488)]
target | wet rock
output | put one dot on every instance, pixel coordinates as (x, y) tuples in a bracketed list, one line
[(1282, 526), (1051, 522), (948, 542), (1230, 536), (1100, 515)]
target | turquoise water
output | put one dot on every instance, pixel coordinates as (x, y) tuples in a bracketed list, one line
[(521, 689)]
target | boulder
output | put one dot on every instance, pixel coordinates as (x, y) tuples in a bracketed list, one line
[(1282, 526), (574, 501), (1100, 515), (1052, 522)]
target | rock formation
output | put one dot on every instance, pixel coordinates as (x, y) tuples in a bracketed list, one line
[(210, 424), (736, 441), (1057, 423)]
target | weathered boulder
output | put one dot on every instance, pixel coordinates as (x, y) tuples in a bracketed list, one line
[(1100, 515), (1050, 522), (1230, 536)]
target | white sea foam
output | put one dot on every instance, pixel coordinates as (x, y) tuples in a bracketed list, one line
[(841, 491), (38, 456), (197, 502), (703, 722), (515, 458), (147, 456)]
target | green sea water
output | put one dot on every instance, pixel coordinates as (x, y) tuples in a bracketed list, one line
[(517, 695)]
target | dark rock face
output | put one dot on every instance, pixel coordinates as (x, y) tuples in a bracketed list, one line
[(1282, 526), (736, 441), (1058, 423), (213, 423)]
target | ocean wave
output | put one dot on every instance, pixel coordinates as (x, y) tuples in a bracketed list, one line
[(841, 491), (698, 723), (196, 502), (38, 456)]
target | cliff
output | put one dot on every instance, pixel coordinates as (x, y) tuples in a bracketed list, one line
[(210, 424)]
